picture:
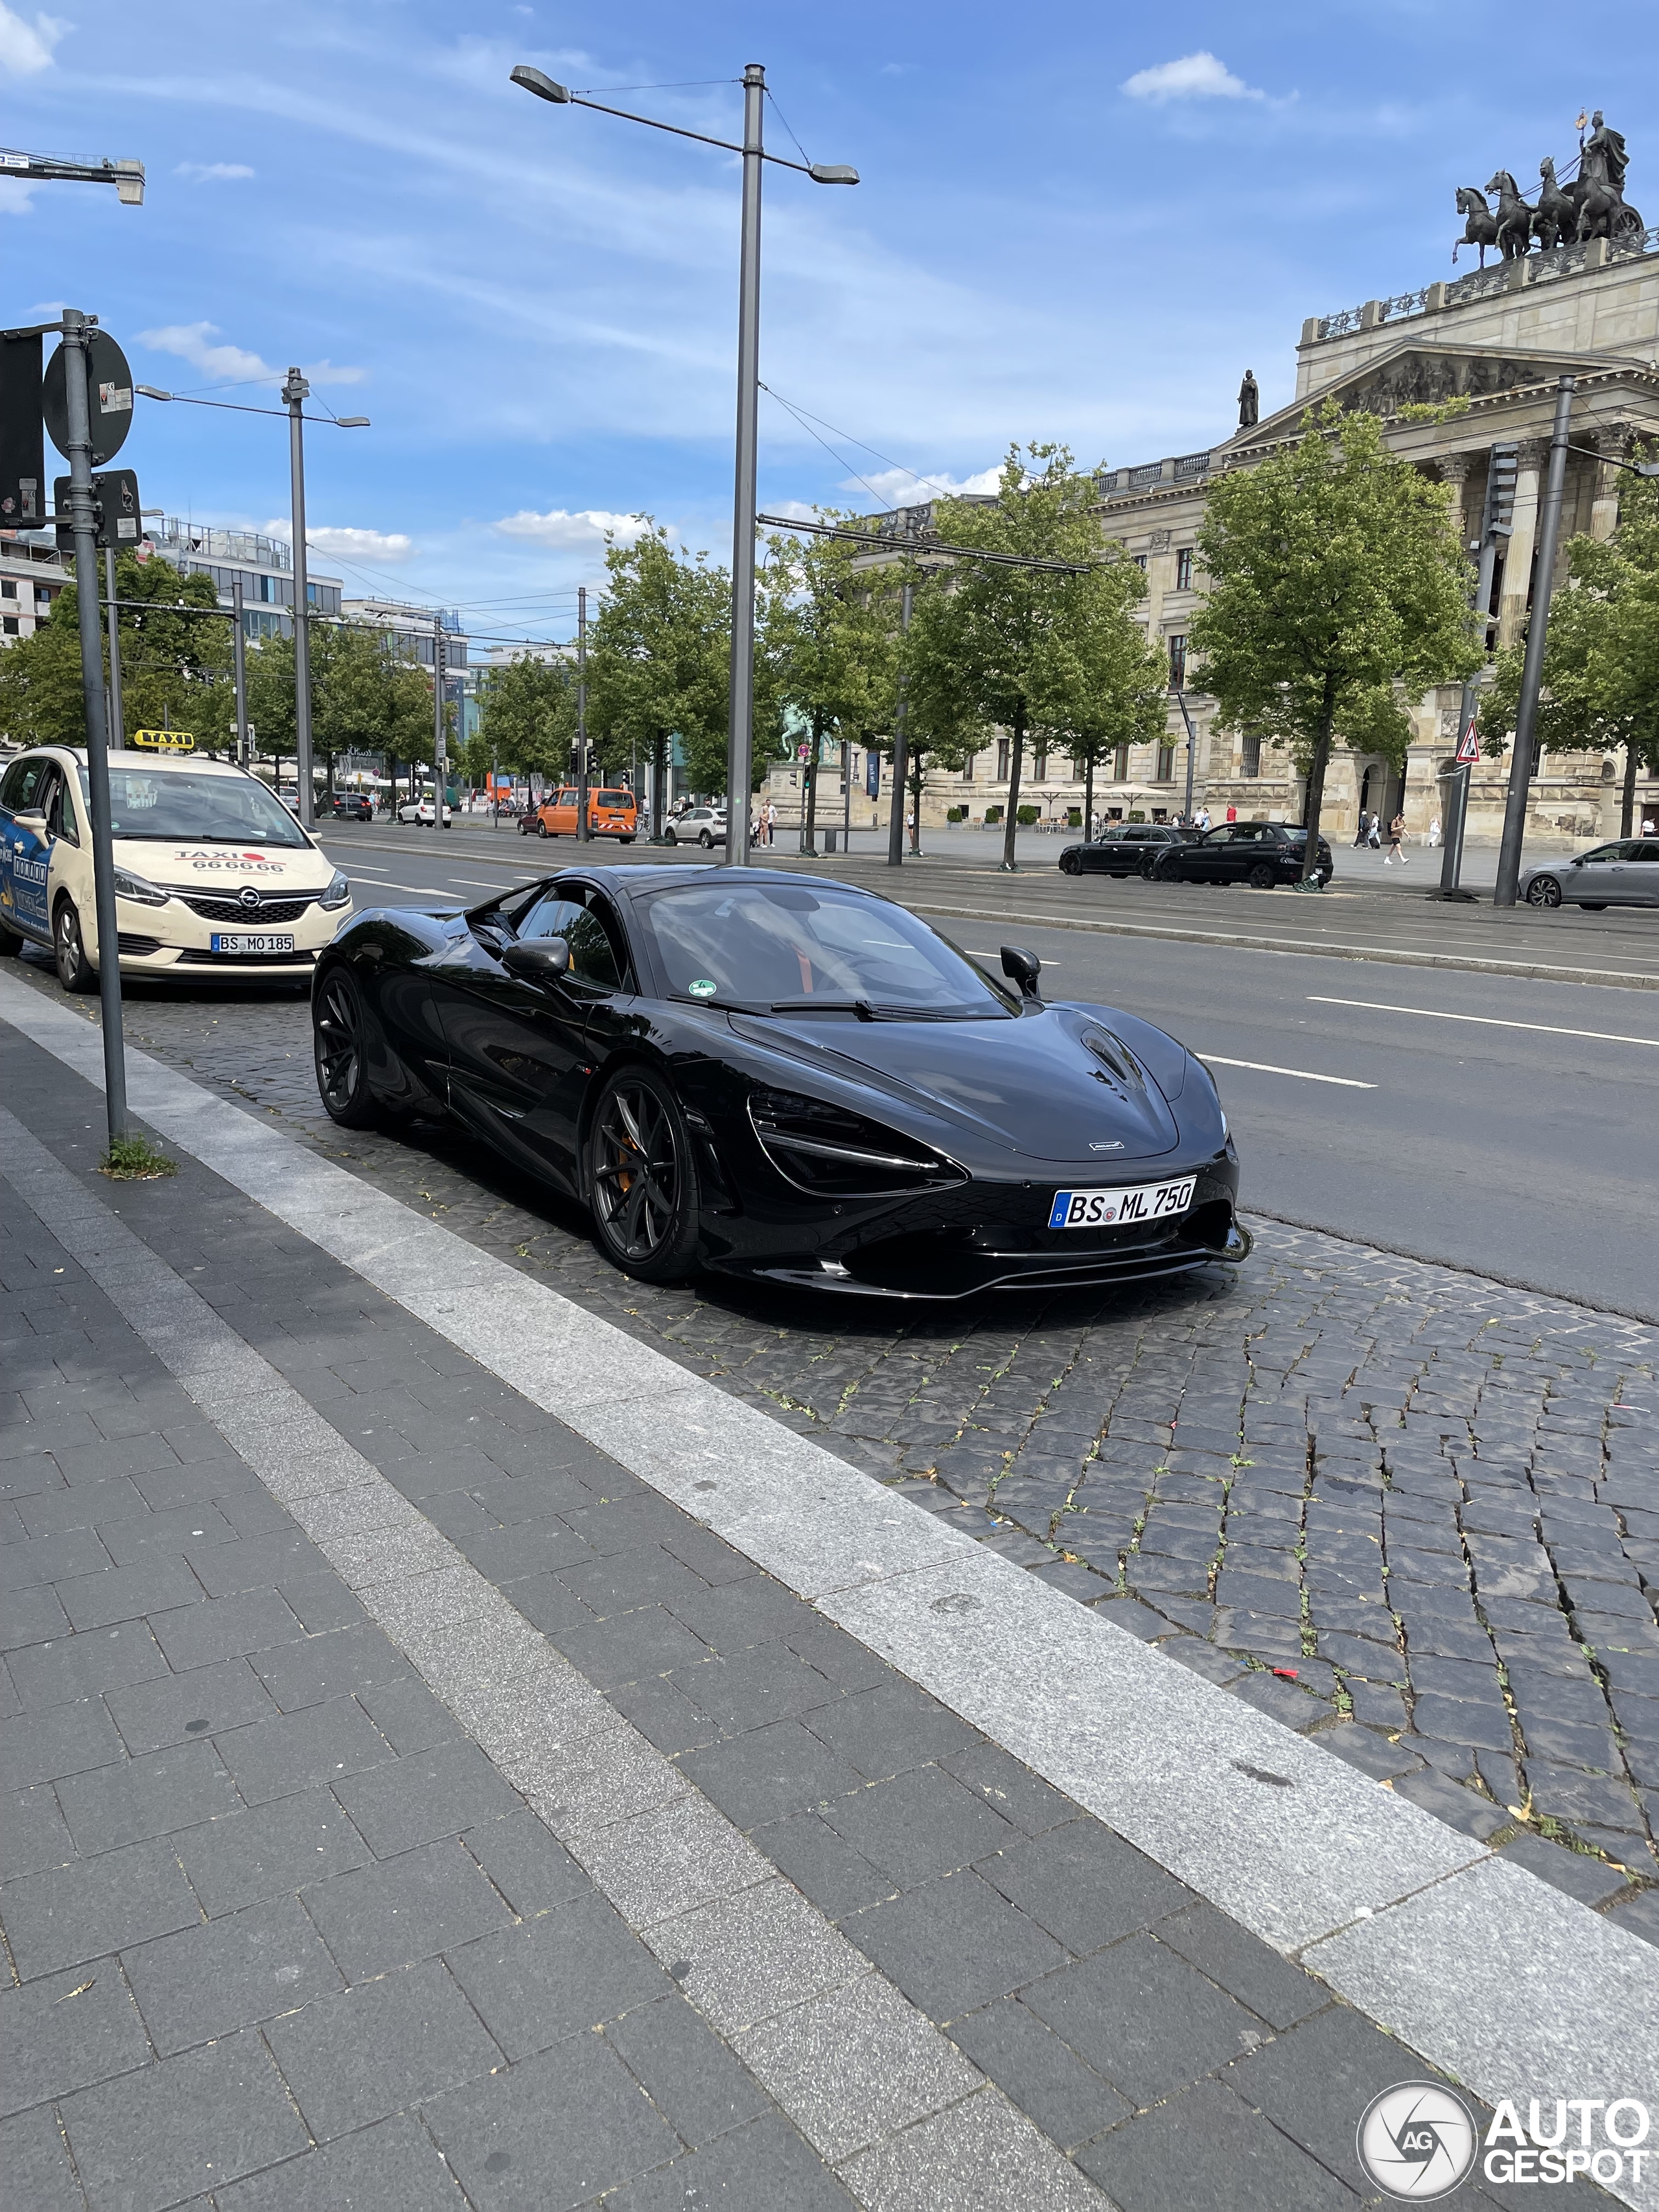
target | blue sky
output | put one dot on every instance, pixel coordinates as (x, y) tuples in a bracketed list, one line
[(1076, 222)]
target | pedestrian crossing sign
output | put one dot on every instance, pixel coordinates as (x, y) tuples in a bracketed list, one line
[(1468, 750)]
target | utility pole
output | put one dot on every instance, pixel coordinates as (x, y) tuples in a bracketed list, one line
[(294, 392), (584, 827), (238, 667), (901, 756), (117, 720), (440, 749), (77, 399), (1181, 701), (1496, 526), (1524, 763), (740, 736)]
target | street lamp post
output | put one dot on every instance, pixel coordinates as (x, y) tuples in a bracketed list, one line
[(239, 669), (740, 730), (1181, 702), (295, 391), (439, 733), (584, 827)]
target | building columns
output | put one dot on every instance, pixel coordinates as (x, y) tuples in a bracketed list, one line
[(1530, 455), (1613, 441)]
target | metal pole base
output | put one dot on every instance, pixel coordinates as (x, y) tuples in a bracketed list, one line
[(1461, 898)]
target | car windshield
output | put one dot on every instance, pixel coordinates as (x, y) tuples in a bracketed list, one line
[(783, 947), (165, 803)]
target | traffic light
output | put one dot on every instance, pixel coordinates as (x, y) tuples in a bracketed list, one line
[(1498, 519)]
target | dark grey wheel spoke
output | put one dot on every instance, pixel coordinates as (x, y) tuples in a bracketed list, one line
[(636, 1175)]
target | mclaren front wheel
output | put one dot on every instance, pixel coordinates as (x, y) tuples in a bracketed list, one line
[(339, 1022), (641, 1178)]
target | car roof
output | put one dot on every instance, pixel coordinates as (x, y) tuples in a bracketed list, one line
[(655, 876), (138, 756)]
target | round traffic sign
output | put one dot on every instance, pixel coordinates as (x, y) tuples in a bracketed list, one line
[(109, 397)]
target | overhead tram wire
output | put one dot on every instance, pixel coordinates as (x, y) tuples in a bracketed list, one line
[(913, 544), (805, 417)]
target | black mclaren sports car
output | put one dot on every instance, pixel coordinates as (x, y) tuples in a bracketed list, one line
[(784, 1077)]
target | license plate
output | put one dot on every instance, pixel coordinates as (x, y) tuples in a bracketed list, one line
[(253, 945), (1108, 1209)]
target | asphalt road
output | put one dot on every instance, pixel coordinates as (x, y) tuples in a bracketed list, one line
[(1451, 1116)]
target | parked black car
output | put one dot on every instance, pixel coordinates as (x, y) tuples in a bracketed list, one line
[(353, 806), (784, 1078), (1127, 849), (1259, 853)]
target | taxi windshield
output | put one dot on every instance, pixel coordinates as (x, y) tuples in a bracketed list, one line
[(783, 947), (209, 810)]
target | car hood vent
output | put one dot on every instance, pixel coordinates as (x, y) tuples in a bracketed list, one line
[(1034, 1085)]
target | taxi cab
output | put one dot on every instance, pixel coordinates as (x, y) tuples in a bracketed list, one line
[(611, 813), (213, 875)]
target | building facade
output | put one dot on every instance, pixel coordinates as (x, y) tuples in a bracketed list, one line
[(263, 565), (1499, 339)]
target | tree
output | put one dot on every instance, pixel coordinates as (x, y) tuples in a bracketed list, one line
[(827, 654), (364, 696), (527, 717), (1014, 647), (1337, 583), (658, 660), (175, 665), (1121, 696), (1600, 675)]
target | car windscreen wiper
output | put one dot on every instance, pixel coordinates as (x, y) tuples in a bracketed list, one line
[(868, 1011)]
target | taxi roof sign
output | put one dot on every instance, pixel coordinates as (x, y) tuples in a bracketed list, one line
[(166, 741)]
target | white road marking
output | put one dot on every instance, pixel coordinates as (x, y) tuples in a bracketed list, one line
[(1302, 1074), (425, 891), (1487, 1021)]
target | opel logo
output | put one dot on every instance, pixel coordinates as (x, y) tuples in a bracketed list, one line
[(249, 896)]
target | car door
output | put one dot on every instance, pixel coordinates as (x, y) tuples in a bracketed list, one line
[(517, 1069), (1199, 859), (1641, 872), (1594, 878), (26, 846)]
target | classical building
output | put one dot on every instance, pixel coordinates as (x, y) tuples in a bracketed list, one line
[(1500, 336)]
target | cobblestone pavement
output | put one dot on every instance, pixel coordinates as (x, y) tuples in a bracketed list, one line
[(1392, 1502), (282, 1935)]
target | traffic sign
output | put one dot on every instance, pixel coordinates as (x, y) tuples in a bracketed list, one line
[(115, 510), (1468, 749), (109, 398)]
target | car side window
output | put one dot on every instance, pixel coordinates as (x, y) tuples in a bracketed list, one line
[(551, 916), (1645, 848), (598, 952), (60, 811), (21, 792)]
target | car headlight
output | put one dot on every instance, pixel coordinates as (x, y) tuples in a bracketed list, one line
[(829, 1149), (142, 893), (339, 891)]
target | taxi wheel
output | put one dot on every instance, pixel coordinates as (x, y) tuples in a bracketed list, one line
[(74, 972), (337, 1023), (642, 1179)]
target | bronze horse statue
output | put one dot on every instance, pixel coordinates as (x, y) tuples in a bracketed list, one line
[(1514, 216), (1482, 227), (1555, 219)]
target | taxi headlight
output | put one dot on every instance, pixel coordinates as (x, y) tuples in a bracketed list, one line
[(339, 892), (129, 886)]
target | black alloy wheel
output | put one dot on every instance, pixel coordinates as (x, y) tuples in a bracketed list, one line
[(1149, 867), (74, 972), (1070, 864), (337, 1023), (1262, 877), (641, 1178)]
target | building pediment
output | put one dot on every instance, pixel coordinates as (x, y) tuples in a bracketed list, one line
[(1414, 372)]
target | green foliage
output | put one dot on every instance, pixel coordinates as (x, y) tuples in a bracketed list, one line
[(992, 814), (1600, 675), (175, 668), (527, 718), (133, 1158), (659, 656), (827, 660), (1337, 586), (1032, 651), (1027, 815), (364, 696)]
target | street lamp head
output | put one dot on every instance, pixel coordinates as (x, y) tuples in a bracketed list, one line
[(351, 422), (536, 80), (1647, 468), (296, 388), (152, 392), (827, 173)]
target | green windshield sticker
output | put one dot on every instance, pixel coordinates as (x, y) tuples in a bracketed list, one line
[(702, 988)]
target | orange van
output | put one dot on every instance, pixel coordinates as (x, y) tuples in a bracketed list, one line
[(611, 813)]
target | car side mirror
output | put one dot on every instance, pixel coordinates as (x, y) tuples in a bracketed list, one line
[(30, 817), (1023, 967), (538, 959)]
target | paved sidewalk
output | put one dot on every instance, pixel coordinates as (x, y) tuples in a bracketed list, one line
[(409, 1806), (1433, 1496)]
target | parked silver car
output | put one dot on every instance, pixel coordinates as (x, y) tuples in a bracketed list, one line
[(1622, 874), (699, 825)]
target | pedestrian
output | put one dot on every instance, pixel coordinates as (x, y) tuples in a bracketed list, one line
[(1232, 814), (1396, 842), (1434, 832), (771, 820), (1647, 825), (1362, 831), (1373, 833)]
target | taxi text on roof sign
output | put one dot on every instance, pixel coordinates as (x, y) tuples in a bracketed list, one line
[(166, 741)]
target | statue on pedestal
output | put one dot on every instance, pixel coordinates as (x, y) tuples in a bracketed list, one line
[(1249, 402), (1592, 206), (1599, 192)]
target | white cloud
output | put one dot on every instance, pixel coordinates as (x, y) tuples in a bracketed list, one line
[(557, 527), (231, 364), (349, 545), (206, 173), (26, 48), (1194, 77), (900, 487)]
